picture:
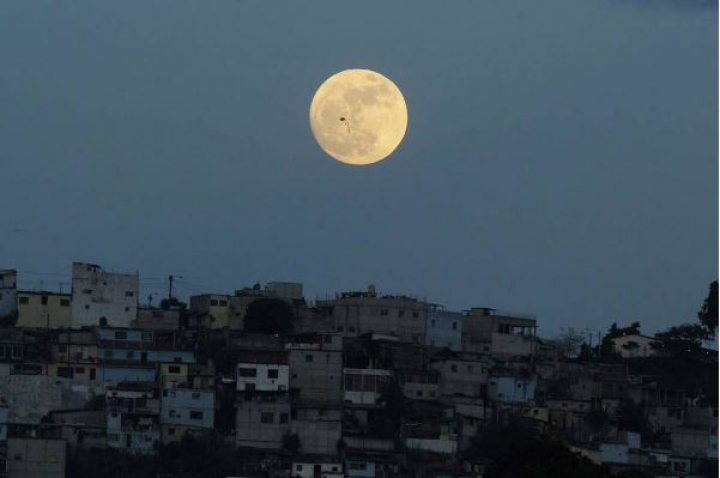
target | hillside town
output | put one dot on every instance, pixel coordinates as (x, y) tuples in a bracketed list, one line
[(262, 382)]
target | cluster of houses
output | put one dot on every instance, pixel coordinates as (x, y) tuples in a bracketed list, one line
[(366, 385)]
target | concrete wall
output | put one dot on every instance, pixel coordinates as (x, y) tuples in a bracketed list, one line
[(250, 429), (512, 389), (443, 445), (188, 407), (43, 309), (319, 430), (316, 373), (35, 458), (263, 377), (461, 377), (444, 329), (30, 397), (99, 294)]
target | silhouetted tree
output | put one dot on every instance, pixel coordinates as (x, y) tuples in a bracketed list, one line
[(269, 316), (708, 315)]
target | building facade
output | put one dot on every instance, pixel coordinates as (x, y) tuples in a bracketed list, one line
[(103, 298)]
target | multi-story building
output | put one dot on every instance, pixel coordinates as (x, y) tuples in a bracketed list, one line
[(103, 298), (356, 313), (43, 309), (186, 411), (262, 420), (501, 334), (133, 417), (316, 367), (8, 292), (461, 374), (444, 329), (263, 371), (212, 310)]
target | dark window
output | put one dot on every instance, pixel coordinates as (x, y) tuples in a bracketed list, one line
[(308, 358), (213, 303), (80, 370), (272, 373), (416, 314), (24, 300), (351, 329), (130, 354), (173, 369), (129, 294), (66, 372), (43, 300), (283, 418), (266, 417), (340, 328), (64, 303), (247, 372), (327, 339), (195, 415), (87, 307), (171, 431), (453, 368), (87, 291), (383, 312), (454, 325), (121, 335), (401, 313), (127, 309), (223, 303), (62, 348)]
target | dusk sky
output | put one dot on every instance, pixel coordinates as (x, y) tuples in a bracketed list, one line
[(561, 157)]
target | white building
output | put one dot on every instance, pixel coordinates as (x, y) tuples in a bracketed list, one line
[(8, 292), (635, 346), (103, 298), (263, 377), (444, 329)]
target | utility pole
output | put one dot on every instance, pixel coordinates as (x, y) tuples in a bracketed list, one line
[(170, 291)]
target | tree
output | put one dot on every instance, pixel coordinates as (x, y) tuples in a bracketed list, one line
[(269, 316), (708, 315), (681, 339), (606, 345), (568, 342)]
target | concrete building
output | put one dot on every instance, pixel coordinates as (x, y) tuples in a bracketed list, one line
[(316, 367), (319, 429), (43, 309), (635, 346), (365, 386), (36, 458), (461, 374), (141, 347), (133, 417), (183, 410), (212, 310), (356, 313), (291, 291), (316, 467), (444, 329), (262, 420), (81, 429), (501, 334), (8, 292), (421, 385), (103, 298), (263, 371), (512, 388), (151, 318)]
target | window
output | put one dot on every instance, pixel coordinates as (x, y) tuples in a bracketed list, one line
[(470, 369), (66, 372), (147, 336), (173, 369), (195, 396), (272, 373), (127, 309), (283, 418), (87, 291), (266, 417), (129, 294), (401, 313), (62, 348), (130, 354), (44, 300), (80, 370), (298, 467), (64, 303), (327, 339), (17, 351), (416, 314), (24, 299), (247, 372), (308, 358), (223, 303), (383, 312), (419, 393), (87, 307), (454, 325), (171, 431), (432, 323), (453, 368), (195, 415), (173, 414), (213, 303), (340, 328)]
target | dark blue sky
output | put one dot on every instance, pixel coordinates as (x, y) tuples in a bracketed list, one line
[(561, 156)]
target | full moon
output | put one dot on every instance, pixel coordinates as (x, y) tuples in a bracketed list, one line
[(358, 116)]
